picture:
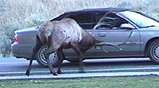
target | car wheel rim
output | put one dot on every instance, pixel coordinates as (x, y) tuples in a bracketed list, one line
[(156, 52), (52, 58)]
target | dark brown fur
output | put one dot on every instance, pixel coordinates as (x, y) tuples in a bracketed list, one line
[(80, 48)]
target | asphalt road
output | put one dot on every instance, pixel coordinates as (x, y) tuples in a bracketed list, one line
[(14, 66)]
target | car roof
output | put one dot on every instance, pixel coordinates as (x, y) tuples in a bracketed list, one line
[(112, 10), (100, 10)]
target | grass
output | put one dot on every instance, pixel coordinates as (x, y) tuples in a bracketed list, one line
[(127, 82)]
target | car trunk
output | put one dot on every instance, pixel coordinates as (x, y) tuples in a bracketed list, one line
[(26, 36)]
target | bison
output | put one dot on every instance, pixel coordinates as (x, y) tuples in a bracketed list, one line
[(59, 35)]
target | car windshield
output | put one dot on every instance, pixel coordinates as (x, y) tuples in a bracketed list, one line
[(139, 19)]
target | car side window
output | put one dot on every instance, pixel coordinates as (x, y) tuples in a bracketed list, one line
[(108, 21), (83, 19)]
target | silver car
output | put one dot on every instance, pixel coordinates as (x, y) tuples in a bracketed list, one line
[(124, 32)]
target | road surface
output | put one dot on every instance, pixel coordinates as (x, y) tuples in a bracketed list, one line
[(14, 66)]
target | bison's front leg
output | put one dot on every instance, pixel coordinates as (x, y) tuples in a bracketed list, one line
[(61, 58), (46, 54), (31, 60), (35, 50)]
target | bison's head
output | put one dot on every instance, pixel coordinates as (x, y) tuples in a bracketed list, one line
[(45, 31)]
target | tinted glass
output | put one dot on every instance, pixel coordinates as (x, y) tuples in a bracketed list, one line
[(109, 21), (139, 19), (85, 20)]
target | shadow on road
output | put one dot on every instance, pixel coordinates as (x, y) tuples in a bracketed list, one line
[(99, 63), (104, 63)]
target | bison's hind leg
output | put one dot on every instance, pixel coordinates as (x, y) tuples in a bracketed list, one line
[(80, 54)]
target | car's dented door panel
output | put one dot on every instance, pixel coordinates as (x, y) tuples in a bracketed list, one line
[(118, 42)]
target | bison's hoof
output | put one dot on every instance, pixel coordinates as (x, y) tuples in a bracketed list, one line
[(27, 73), (82, 72), (59, 72), (55, 74)]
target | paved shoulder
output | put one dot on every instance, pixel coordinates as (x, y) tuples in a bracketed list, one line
[(80, 75)]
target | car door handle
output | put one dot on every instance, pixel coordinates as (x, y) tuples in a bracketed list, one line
[(101, 35)]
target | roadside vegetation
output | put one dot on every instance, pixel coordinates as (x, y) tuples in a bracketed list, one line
[(18, 14), (127, 82)]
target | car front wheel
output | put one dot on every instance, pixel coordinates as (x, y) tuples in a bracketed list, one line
[(153, 51), (42, 60)]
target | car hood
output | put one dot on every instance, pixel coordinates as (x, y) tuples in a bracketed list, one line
[(151, 28), (155, 28)]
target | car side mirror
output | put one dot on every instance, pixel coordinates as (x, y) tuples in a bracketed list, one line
[(127, 26)]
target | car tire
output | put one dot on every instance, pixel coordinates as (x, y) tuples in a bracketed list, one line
[(153, 51), (41, 58)]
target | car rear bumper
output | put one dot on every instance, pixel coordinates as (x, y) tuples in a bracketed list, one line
[(21, 50)]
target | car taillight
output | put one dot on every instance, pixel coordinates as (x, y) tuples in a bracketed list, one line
[(16, 38)]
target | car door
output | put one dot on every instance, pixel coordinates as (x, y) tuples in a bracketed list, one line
[(117, 41), (86, 20)]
